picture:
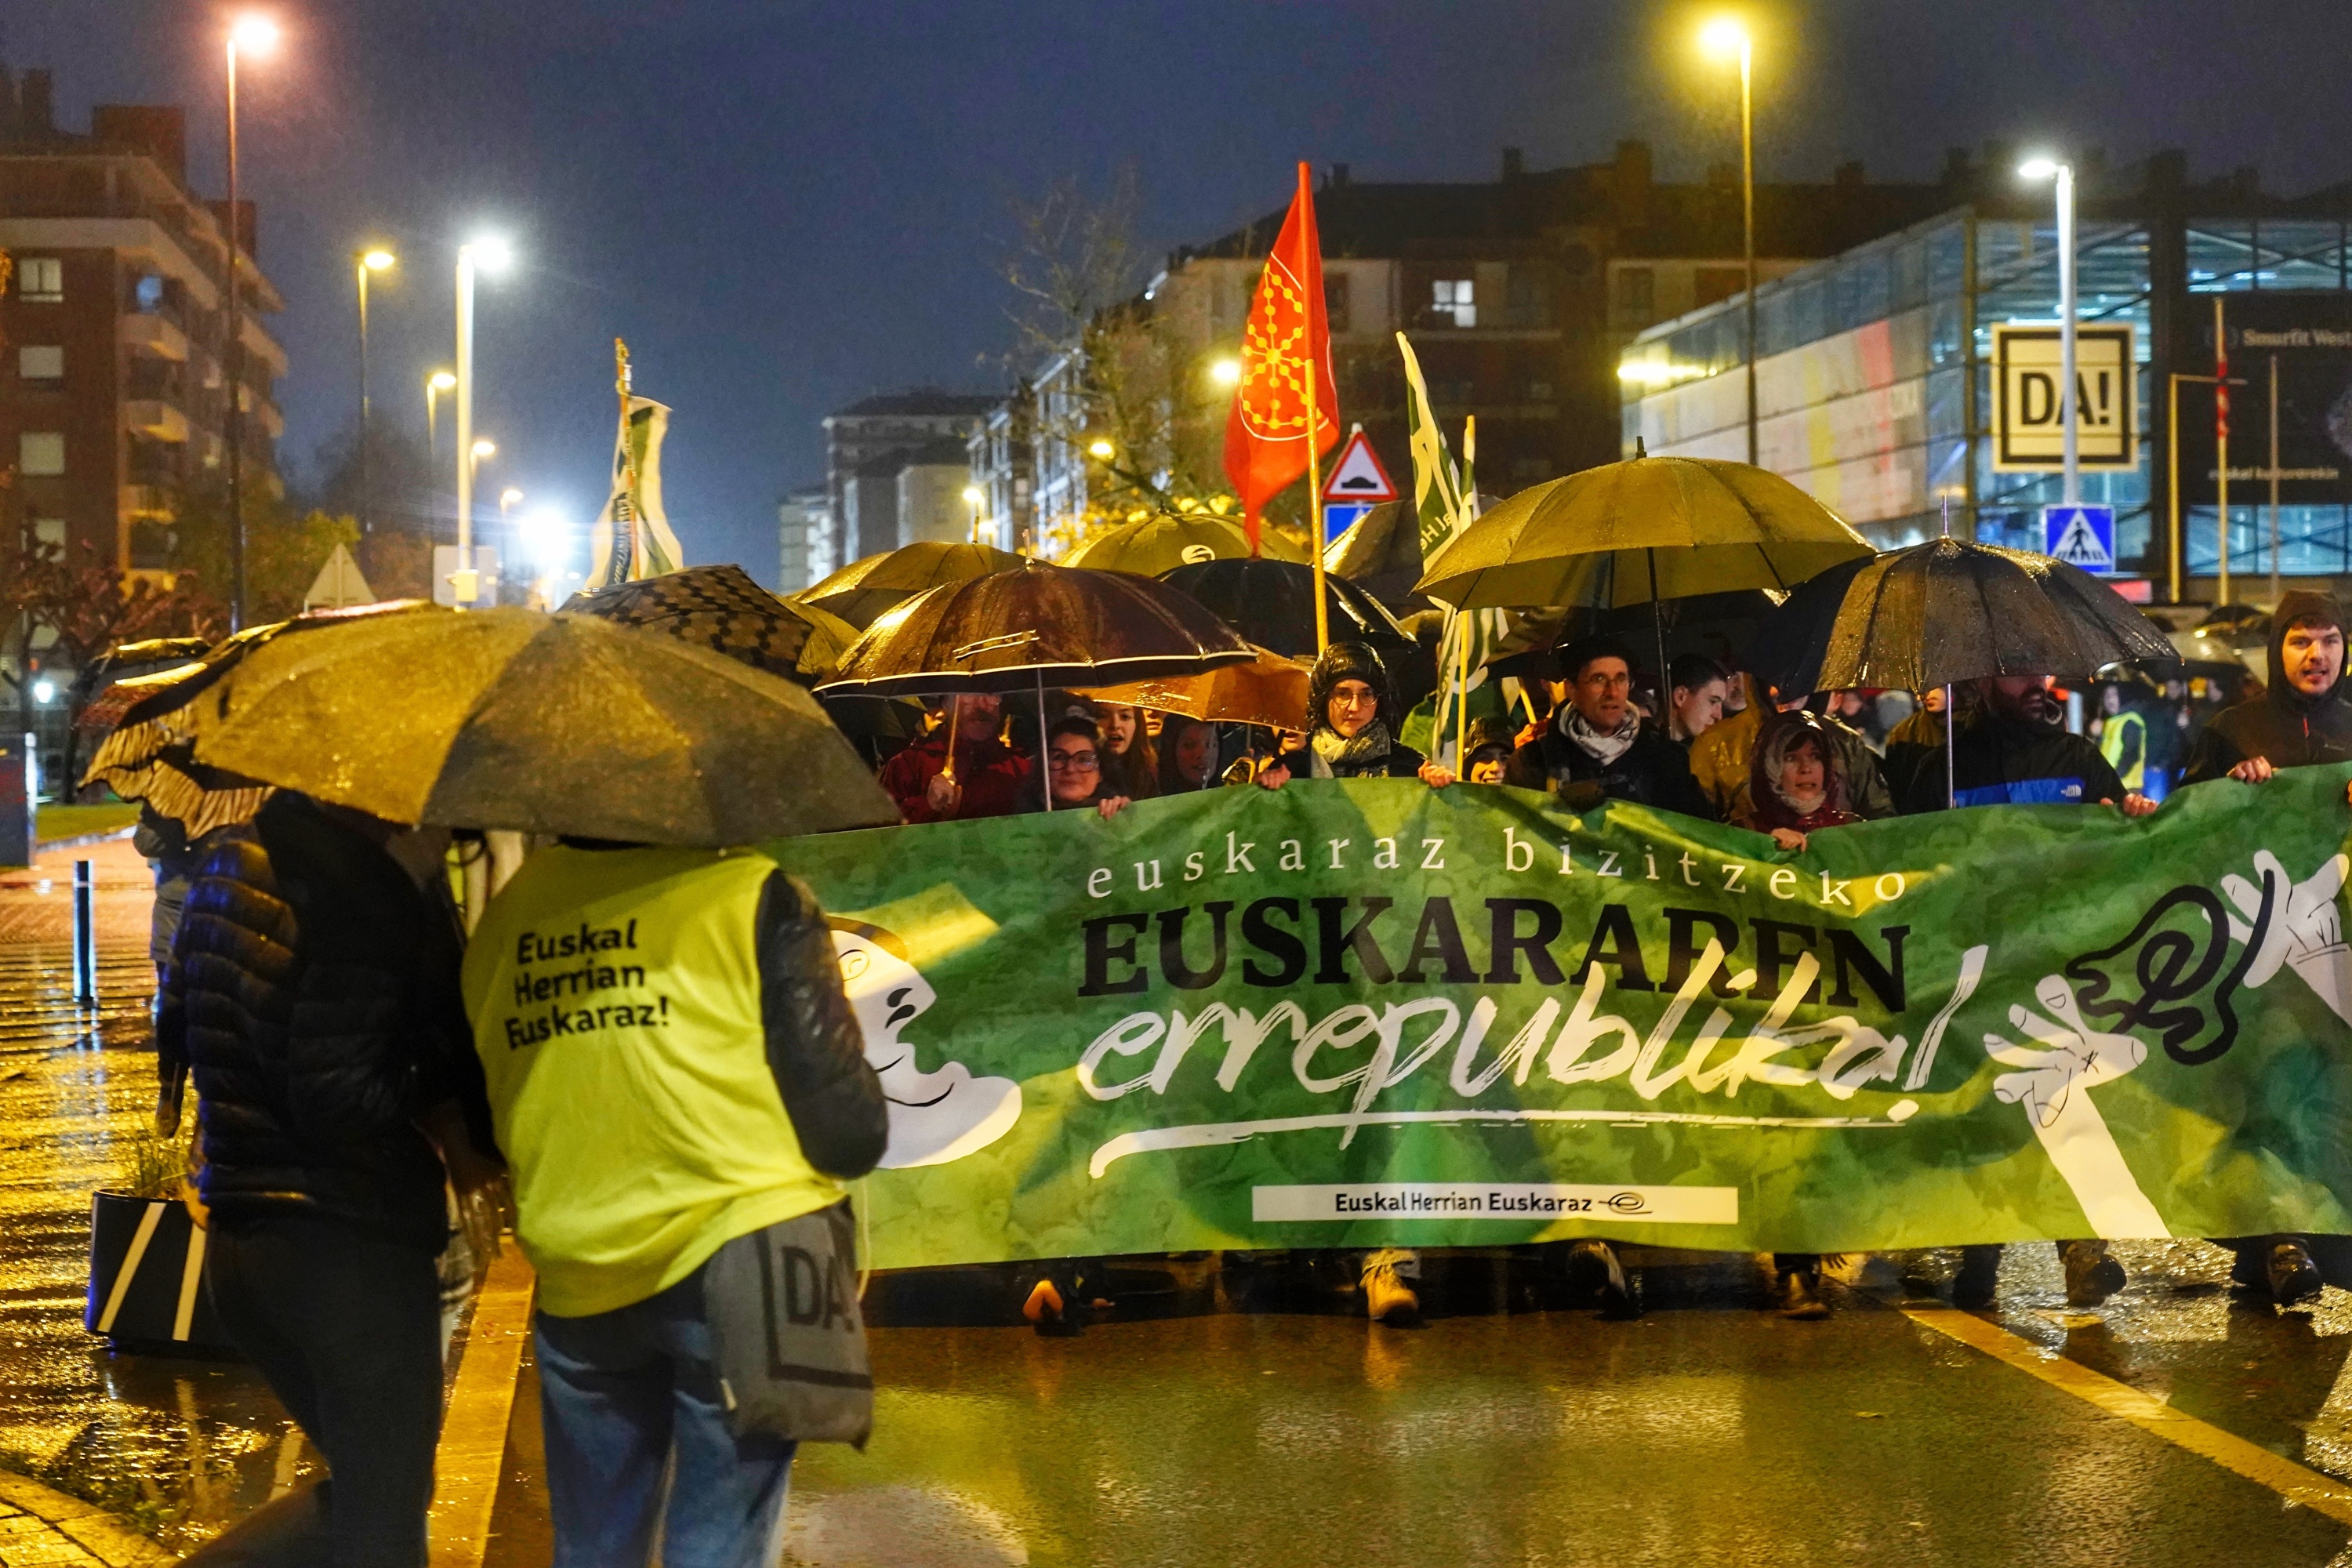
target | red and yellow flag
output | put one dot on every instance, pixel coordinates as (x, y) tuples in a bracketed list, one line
[(1267, 433)]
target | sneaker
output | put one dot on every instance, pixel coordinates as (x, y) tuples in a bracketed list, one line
[(1800, 1299), (1043, 1308), (1979, 1276), (2090, 1275), (2294, 1277), (1388, 1298), (1593, 1270)]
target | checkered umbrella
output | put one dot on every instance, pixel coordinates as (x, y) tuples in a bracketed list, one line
[(720, 608)]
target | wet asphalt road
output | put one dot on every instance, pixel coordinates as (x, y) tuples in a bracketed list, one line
[(1227, 1419)]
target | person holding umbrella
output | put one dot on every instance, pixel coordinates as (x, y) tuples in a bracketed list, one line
[(1597, 747), (2301, 720), (989, 779)]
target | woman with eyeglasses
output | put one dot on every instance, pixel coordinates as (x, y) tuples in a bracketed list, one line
[(1074, 769)]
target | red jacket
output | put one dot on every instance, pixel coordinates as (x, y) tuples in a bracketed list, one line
[(995, 778)]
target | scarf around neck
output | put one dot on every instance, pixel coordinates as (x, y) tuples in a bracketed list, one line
[(1331, 751), (1603, 746)]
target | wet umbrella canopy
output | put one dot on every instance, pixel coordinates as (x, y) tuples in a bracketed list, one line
[(1161, 544), (1649, 528), (1037, 626), (720, 608), (1272, 603), (1270, 690), (541, 723), (862, 591), (1948, 611)]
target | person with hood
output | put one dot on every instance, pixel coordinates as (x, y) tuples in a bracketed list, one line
[(1351, 706), (2016, 751), (1597, 747), (1798, 784), (2301, 720)]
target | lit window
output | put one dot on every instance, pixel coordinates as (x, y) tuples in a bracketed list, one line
[(41, 279), (49, 531), (41, 453), (149, 294), (1454, 299), (41, 362)]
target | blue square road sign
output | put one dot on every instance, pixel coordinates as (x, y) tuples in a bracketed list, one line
[(2082, 536)]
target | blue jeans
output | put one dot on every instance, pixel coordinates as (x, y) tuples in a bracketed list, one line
[(623, 1393)]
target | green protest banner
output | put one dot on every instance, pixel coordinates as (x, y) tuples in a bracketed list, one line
[(1370, 1013)]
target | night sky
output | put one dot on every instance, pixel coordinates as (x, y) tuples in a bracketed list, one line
[(785, 207)]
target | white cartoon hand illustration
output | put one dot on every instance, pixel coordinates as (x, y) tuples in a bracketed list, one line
[(2306, 931), (2078, 1054)]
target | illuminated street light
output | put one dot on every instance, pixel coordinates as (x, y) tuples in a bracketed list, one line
[(256, 35), (376, 258), (489, 254), (484, 448), (1726, 37), (2064, 175), (507, 497), (1100, 450), (972, 497), (1227, 371), (45, 691)]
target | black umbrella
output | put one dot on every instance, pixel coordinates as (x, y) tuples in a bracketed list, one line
[(1948, 611), (1716, 625), (1272, 603)]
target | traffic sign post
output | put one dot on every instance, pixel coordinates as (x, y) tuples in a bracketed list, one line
[(2082, 536)]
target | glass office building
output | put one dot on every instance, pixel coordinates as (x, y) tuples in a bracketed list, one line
[(1875, 390)]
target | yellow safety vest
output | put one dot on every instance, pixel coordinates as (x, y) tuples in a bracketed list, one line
[(616, 1001), (2112, 736)]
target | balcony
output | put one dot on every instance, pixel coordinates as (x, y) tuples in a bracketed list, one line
[(145, 503), (155, 420), (264, 416), (260, 345), (155, 336)]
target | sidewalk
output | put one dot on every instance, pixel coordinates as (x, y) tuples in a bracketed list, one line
[(40, 1527)]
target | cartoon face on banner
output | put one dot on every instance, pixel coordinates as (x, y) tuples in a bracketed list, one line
[(935, 1117)]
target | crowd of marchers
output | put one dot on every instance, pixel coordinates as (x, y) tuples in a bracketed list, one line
[(358, 1105)]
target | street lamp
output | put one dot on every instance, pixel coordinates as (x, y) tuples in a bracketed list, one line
[(1100, 450), (2064, 173), (1227, 371), (491, 256), (439, 382), (1725, 35), (374, 259), (973, 498), (257, 35)]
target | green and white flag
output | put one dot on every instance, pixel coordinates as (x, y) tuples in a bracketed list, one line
[(1445, 498), (632, 538)]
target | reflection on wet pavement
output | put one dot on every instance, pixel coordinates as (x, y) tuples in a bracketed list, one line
[(178, 1446)]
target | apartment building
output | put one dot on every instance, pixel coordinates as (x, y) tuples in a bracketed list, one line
[(113, 379)]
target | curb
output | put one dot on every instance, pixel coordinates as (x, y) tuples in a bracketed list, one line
[(39, 1526)]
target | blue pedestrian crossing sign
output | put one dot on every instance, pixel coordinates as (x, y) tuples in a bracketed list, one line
[(2082, 536)]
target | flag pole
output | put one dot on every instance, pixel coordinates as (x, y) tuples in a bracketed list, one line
[(1461, 633), (1314, 507)]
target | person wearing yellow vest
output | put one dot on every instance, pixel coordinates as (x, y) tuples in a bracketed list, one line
[(672, 1064), (2123, 737)]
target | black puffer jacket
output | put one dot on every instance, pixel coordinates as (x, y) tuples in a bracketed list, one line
[(313, 990), (1654, 771), (2282, 725)]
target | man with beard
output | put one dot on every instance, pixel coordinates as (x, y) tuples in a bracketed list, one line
[(2302, 721), (2017, 752)]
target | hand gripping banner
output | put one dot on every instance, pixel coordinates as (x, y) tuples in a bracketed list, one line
[(1370, 1013)]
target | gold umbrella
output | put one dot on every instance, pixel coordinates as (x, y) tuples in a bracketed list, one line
[(1640, 530), (1269, 690), (1161, 544), (863, 590)]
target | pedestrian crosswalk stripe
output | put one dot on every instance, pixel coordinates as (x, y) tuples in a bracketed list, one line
[(2322, 1494)]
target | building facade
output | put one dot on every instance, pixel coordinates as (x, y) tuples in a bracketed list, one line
[(802, 520), (1519, 295), (1876, 387), (867, 444), (113, 381)]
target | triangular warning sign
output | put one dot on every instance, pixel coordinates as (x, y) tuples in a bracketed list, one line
[(339, 584), (1358, 475), (2079, 545)]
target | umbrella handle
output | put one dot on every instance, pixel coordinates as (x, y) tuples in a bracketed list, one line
[(955, 711)]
